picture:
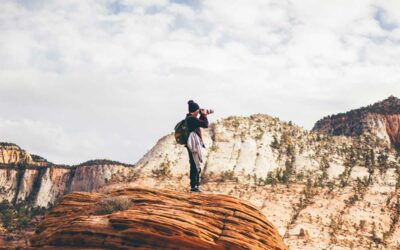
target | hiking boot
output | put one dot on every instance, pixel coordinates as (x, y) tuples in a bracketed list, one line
[(195, 190)]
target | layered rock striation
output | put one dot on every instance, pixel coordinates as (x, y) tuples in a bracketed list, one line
[(157, 219)]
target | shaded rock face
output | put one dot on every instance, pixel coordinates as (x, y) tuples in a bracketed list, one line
[(381, 119), (43, 186), (92, 177), (32, 179), (157, 219), (8, 184), (392, 125)]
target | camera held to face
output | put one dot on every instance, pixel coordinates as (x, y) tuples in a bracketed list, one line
[(206, 111)]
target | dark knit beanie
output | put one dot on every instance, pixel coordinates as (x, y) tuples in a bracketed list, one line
[(193, 106)]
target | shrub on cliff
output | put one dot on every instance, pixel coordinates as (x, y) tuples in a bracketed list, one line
[(228, 175), (6, 215), (163, 171), (275, 144), (19, 216)]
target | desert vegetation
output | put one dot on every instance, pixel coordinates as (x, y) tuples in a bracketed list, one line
[(109, 205)]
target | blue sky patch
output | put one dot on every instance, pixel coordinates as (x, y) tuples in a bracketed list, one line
[(117, 7), (380, 16), (32, 4), (194, 4)]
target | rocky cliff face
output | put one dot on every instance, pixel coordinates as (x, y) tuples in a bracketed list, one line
[(239, 144), (11, 153), (156, 219), (257, 146), (381, 119), (31, 179)]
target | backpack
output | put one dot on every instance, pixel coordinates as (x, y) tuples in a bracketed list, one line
[(181, 132)]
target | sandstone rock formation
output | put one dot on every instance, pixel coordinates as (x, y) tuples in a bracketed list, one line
[(11, 153), (239, 144), (381, 119), (32, 179), (157, 219)]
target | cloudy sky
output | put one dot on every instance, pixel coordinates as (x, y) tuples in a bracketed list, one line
[(86, 79)]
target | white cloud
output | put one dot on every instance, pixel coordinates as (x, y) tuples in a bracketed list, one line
[(90, 79)]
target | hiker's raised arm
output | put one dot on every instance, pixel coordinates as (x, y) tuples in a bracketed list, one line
[(202, 121)]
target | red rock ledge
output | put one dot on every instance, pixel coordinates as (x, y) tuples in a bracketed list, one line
[(156, 219)]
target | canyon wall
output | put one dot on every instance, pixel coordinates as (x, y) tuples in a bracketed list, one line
[(41, 183)]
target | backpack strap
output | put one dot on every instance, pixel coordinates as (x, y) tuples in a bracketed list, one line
[(187, 129)]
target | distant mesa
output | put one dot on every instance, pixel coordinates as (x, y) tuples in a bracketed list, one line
[(30, 179), (155, 219), (381, 119), (12, 155), (9, 145), (99, 162)]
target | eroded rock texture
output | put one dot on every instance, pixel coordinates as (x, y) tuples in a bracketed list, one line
[(157, 219), (28, 178), (381, 119), (11, 153)]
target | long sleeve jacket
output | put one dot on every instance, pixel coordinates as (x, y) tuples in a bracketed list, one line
[(194, 124)]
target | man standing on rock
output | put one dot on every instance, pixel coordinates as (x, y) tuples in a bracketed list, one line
[(195, 143)]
